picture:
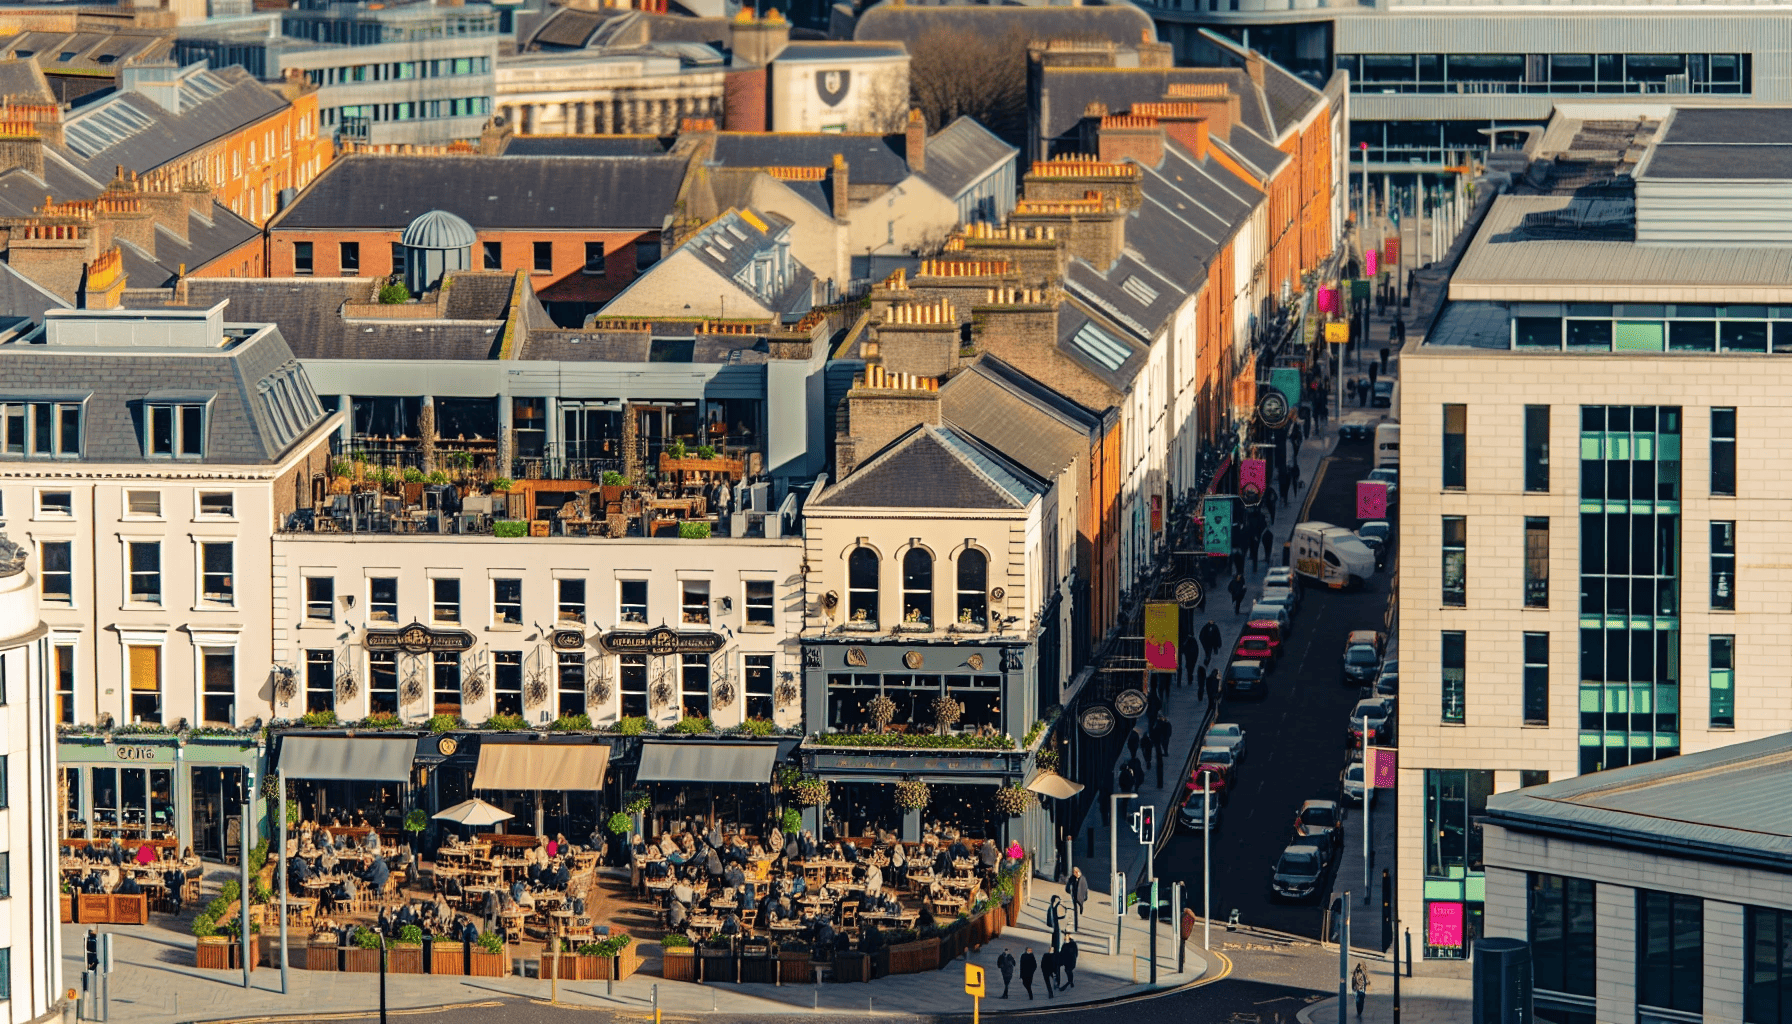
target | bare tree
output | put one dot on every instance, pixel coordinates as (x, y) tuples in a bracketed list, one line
[(962, 74)]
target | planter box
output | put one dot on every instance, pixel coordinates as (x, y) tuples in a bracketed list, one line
[(880, 963), (1011, 910), (759, 970), (111, 908), (212, 954), (719, 965), (67, 907), (620, 967), (404, 959), (356, 960), (795, 969), (489, 965), (953, 945), (447, 958), (323, 958), (915, 957), (569, 967), (679, 965), (691, 463), (852, 967)]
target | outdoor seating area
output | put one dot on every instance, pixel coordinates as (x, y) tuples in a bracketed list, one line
[(151, 871)]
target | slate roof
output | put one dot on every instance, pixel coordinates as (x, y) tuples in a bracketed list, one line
[(309, 314), (379, 191), (206, 241), (1113, 356), (588, 145), (243, 375), (87, 48), (1725, 143), (960, 154), (1017, 416), (1727, 804), (1286, 96), (22, 192), (934, 467), (569, 28), (1122, 23), (1253, 150), (133, 130), (601, 346), (834, 51), (22, 79), (870, 159), (22, 297), (1070, 90)]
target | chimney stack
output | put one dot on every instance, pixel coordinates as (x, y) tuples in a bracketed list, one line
[(917, 142), (759, 40), (840, 187), (1253, 66)]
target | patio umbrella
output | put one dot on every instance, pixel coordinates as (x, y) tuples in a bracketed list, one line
[(474, 813), (1055, 786)]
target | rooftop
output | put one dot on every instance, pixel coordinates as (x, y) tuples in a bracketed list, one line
[(960, 473), (1726, 804), (1723, 143)]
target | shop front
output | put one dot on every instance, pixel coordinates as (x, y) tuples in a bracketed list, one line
[(189, 789), (948, 714), (340, 779), (699, 779), (553, 785)]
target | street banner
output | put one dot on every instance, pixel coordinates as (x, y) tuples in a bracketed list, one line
[(1217, 513), (1328, 299), (1372, 262), (1371, 499), (1337, 333), (1253, 477), (1162, 627), (1157, 513), (1390, 251), (1379, 767), (1286, 379)]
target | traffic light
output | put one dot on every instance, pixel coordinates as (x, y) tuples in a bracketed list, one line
[(93, 950), (1144, 822), (1141, 898)]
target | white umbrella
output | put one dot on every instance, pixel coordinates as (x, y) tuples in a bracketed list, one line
[(1055, 786), (475, 812)]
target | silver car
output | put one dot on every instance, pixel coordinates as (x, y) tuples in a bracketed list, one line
[(1352, 783), (1277, 612), (1226, 734)]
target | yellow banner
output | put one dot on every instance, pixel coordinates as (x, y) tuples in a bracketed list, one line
[(1161, 633), (1337, 333)]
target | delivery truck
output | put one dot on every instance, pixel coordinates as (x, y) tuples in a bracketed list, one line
[(1387, 445), (1330, 555)]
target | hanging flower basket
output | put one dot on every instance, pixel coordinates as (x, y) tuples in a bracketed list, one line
[(724, 694), (811, 792), (286, 686), (912, 794), (883, 712), (946, 713), (599, 691), (1047, 762), (535, 691), (1013, 800), (787, 693)]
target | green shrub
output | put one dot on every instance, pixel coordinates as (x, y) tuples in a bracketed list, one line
[(436, 477), (611, 946), (677, 450), (502, 484), (758, 727), (620, 824), (504, 723), (611, 478), (633, 725), (366, 938), (491, 942), (792, 821), (380, 720), (705, 451), (259, 891), (416, 820), (258, 857), (393, 294), (694, 725), (693, 531), (230, 891), (445, 723), (341, 467), (571, 723), (410, 935), (318, 719), (675, 942), (636, 801), (413, 475), (510, 528), (216, 908), (909, 739), (205, 926)]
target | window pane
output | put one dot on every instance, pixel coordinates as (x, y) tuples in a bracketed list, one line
[(1723, 451), (1536, 678), (1723, 566), (1723, 682), (1536, 562), (1536, 448), (1455, 446), (1455, 666), (192, 430), (1455, 560)]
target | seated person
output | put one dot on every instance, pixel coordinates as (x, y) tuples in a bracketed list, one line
[(377, 874), (535, 874), (747, 899), (683, 893), (731, 925), (676, 917), (129, 887), (734, 877), (562, 877), (469, 933), (518, 890), (371, 842)]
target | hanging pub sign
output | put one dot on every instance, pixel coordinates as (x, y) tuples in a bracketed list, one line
[(1131, 703), (1098, 721), (1188, 592), (1285, 379), (1273, 408), (661, 641), (417, 638), (568, 639)]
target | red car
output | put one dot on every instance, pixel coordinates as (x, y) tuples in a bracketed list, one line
[(1218, 777), (1256, 647)]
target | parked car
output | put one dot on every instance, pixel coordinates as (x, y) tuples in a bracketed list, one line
[(1387, 684), (1362, 657), (1378, 534), (1195, 802), (1372, 722), (1320, 821), (1387, 475), (1285, 599), (1381, 395), (1220, 758), (1273, 612), (1279, 576), (1357, 426), (1351, 783), (1300, 870), (1261, 646), (1226, 734), (1198, 778), (1282, 580), (1247, 679)]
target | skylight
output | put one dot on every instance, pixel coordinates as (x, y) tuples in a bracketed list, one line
[(1096, 343)]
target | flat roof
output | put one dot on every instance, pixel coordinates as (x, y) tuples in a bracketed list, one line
[(1722, 144), (1727, 804)]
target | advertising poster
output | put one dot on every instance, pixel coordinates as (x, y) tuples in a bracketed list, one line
[(1381, 767), (1443, 926), (1218, 512), (1371, 499), (1253, 478), (1286, 379), (1337, 333), (1162, 625)]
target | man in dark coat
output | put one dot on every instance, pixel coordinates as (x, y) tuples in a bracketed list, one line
[(1005, 964), (1210, 639), (1160, 736), (1067, 960), (1048, 969), (1029, 965), (1236, 589), (377, 874), (1078, 891)]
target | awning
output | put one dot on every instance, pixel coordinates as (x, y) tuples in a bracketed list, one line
[(537, 765), (1055, 786), (706, 762), (350, 758)]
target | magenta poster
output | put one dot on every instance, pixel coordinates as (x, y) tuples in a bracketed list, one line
[(1381, 767), (1443, 925), (1371, 499), (1253, 475), (1373, 259)]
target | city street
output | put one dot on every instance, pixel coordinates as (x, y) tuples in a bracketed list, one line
[(1296, 737)]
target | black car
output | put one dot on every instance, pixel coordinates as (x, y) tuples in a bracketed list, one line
[(1322, 822), (1381, 396), (1300, 870), (1247, 678), (1376, 534)]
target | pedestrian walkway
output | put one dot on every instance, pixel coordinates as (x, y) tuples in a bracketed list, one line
[(155, 981), (1185, 704), (1423, 1000)]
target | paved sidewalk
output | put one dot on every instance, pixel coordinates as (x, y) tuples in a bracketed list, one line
[(1423, 1000), (155, 981)]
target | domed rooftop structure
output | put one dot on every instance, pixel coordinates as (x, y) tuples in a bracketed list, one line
[(438, 229)]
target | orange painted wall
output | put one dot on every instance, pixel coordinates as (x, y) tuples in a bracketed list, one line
[(566, 282), (248, 167)]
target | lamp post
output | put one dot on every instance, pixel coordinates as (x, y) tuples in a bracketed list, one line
[(243, 846), (1115, 883), (280, 813), (1207, 859)]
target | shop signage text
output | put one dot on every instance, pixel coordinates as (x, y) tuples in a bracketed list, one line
[(134, 753), (1098, 721), (568, 639), (886, 762), (419, 639), (661, 641)]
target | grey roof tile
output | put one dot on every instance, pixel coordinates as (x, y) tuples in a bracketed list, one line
[(961, 153), (141, 135), (986, 402), (959, 473), (309, 314), (588, 145), (870, 159)]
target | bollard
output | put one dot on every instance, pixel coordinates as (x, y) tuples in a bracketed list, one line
[(869, 1000), (656, 1003), (712, 1000)]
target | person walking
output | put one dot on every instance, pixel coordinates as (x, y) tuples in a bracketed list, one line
[(1054, 919), (1078, 891), (1251, 543), (1048, 970), (1210, 639), (1374, 373), (1067, 960), (1283, 478), (1160, 736), (1236, 589), (1213, 686), (1269, 499), (1005, 964), (1029, 965), (1269, 543), (1359, 983)]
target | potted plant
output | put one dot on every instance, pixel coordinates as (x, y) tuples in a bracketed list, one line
[(678, 960), (1014, 800), (414, 823), (405, 954), (489, 958), (212, 950), (717, 956), (447, 956), (322, 953), (611, 487), (233, 929), (363, 957), (66, 900)]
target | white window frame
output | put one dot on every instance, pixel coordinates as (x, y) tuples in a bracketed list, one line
[(126, 573), (460, 601), (746, 606), (646, 609), (561, 604), (30, 450), (397, 601), (127, 639), (213, 640), (201, 515), (687, 607), (202, 600), (40, 514), (127, 514), (73, 593), (60, 639), (497, 622), (177, 429), (305, 602)]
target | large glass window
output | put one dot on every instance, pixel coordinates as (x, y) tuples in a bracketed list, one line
[(761, 603), (1536, 679), (1453, 660), (693, 602), (445, 676), (632, 601), (1455, 802), (218, 572), (146, 571), (1767, 966), (507, 682), (1723, 682), (1723, 566), (632, 684), (58, 573), (570, 601), (146, 682), (382, 599), (1563, 934), (1536, 562), (1670, 951), (320, 598), (694, 684), (1536, 448), (917, 588), (218, 668), (572, 683), (1455, 447), (1455, 561), (973, 588), (759, 686), (320, 681), (382, 682), (861, 587), (507, 602), (445, 599)]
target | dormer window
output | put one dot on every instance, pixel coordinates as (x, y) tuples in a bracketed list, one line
[(174, 425), (41, 429)]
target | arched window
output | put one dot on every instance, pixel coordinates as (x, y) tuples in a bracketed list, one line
[(917, 588), (973, 588), (861, 587)]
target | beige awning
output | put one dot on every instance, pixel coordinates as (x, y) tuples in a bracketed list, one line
[(1055, 786), (537, 765)]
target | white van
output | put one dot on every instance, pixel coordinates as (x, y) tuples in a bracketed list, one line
[(1387, 445), (1332, 555)]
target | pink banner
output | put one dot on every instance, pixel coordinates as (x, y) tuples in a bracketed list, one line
[(1443, 924), (1373, 261), (1371, 499), (1381, 767), (1253, 473), (1328, 299)]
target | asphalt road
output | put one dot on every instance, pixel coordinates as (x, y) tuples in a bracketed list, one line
[(1296, 741)]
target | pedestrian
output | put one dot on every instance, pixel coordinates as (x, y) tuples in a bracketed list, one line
[(1269, 499), (1213, 686), (1269, 542), (1160, 735), (1078, 891), (1237, 560), (1132, 744), (1282, 478), (1145, 740), (1251, 545), (1048, 969), (1236, 589), (1374, 372), (1067, 960), (1138, 774), (1054, 918), (1294, 471), (1359, 983), (1029, 965), (1210, 638), (1005, 964)]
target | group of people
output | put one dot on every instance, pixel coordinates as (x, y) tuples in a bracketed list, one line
[(112, 868), (431, 917), (1057, 968)]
